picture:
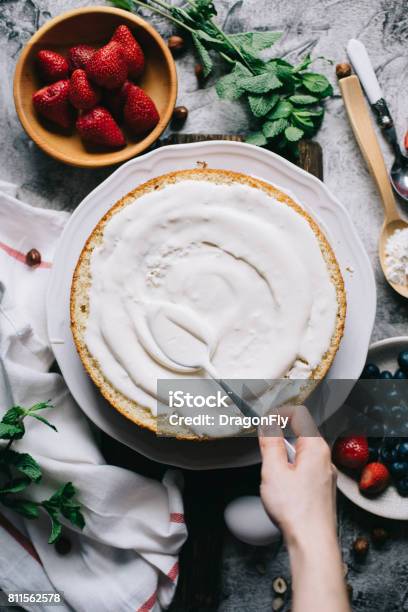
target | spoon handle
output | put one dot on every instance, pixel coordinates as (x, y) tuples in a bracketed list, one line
[(368, 142)]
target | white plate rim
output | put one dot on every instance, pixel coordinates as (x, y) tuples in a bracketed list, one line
[(206, 149)]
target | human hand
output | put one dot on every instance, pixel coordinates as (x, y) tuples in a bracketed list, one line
[(299, 496)]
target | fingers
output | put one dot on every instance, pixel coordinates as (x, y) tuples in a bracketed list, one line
[(272, 446), (301, 421), (309, 443)]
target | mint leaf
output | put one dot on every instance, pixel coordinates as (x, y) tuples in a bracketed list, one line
[(303, 99), (257, 41), (123, 4), (63, 501), (15, 486), (305, 63), (43, 420), (281, 111), (56, 529), (255, 63), (219, 44), (260, 84), (7, 432), (39, 406), (316, 83), (293, 134), (261, 104), (327, 92), (304, 123), (273, 128), (203, 55), (227, 87), (310, 112), (256, 138), (25, 507), (24, 463), (12, 416)]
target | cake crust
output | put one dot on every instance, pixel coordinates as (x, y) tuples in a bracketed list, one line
[(82, 281)]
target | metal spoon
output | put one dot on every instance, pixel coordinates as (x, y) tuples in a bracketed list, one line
[(362, 65), (367, 140), (190, 349)]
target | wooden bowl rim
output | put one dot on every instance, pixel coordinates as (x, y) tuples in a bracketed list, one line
[(105, 159)]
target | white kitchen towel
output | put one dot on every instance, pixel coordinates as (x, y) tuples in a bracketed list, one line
[(126, 556)]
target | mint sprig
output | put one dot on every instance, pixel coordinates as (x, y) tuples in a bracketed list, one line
[(285, 100), (20, 470)]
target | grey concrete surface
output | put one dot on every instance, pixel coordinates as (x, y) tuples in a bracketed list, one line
[(322, 27)]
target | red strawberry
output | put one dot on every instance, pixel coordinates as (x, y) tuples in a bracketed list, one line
[(52, 102), (97, 126), (133, 53), (406, 141), (52, 66), (375, 477), (140, 111), (114, 100), (107, 67), (351, 452), (82, 94), (79, 55)]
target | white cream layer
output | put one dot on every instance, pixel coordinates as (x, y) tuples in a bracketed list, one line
[(228, 262)]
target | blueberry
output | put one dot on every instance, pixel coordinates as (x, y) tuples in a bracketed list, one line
[(403, 361), (373, 453), (388, 455), (386, 374), (400, 374), (402, 486), (403, 451), (399, 469), (370, 371), (389, 441)]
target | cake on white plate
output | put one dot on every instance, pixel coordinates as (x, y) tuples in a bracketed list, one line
[(220, 250)]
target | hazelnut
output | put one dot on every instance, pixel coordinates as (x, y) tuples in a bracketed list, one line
[(176, 44), (33, 258), (199, 71), (180, 114), (279, 585), (379, 535), (277, 604), (360, 547), (63, 546), (343, 70)]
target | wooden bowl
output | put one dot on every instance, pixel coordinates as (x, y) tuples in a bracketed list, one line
[(94, 26)]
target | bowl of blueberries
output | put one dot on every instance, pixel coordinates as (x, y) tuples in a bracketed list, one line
[(372, 453)]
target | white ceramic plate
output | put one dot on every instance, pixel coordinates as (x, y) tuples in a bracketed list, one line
[(389, 505), (309, 191)]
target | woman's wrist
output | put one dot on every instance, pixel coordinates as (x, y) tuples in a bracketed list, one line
[(317, 574), (312, 540)]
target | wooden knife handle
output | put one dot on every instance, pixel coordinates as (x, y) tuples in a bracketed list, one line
[(367, 140)]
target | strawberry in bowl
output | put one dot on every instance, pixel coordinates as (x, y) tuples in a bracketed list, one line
[(351, 452), (90, 72), (111, 49)]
